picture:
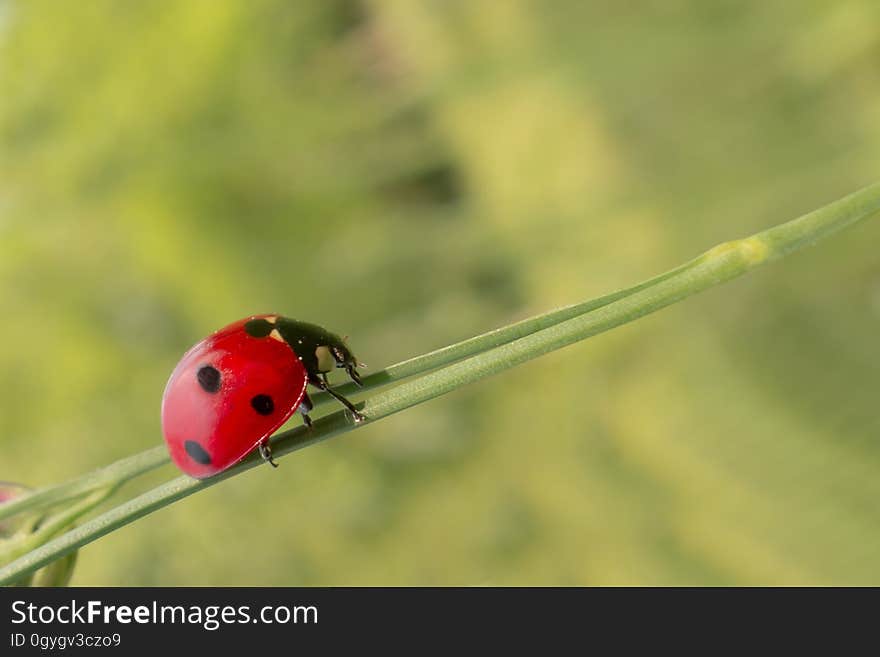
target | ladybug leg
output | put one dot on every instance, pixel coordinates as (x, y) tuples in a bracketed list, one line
[(324, 378), (305, 407), (266, 453), (353, 373), (322, 385)]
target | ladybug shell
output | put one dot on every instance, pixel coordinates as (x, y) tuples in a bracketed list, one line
[(228, 393)]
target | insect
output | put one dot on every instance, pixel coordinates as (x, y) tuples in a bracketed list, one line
[(233, 389)]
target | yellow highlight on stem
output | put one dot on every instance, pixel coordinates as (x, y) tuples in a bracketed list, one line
[(753, 250)]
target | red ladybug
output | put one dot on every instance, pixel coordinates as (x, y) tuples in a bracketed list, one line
[(234, 388)]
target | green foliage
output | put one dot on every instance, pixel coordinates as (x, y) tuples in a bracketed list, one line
[(493, 352), (413, 173)]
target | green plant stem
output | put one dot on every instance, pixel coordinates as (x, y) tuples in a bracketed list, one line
[(10, 549), (138, 464), (720, 264), (480, 343), (106, 477)]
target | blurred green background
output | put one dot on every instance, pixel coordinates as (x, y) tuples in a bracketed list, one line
[(412, 173)]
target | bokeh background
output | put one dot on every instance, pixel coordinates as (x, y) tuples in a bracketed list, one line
[(411, 173)]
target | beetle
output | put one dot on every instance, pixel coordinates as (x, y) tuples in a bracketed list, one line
[(233, 389)]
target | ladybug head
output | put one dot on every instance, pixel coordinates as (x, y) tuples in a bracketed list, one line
[(345, 359)]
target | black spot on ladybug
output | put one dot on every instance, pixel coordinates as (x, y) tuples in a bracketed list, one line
[(258, 328), (209, 378), (196, 452), (263, 404)]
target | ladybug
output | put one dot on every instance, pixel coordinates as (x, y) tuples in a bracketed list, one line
[(233, 389)]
